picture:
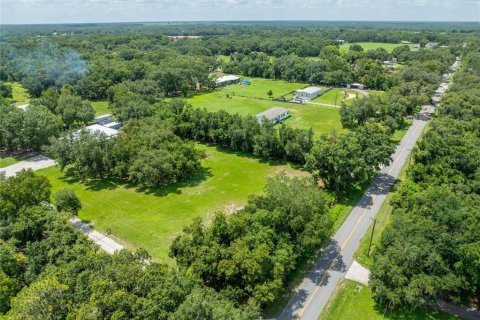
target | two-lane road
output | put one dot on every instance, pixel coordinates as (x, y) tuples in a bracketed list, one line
[(315, 290)]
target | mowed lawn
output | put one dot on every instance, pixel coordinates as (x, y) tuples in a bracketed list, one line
[(259, 87), (19, 93), (353, 301), (101, 107), (303, 116), (336, 95), (374, 45), (152, 218)]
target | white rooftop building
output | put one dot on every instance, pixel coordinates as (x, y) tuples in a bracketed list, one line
[(23, 106), (308, 93), (274, 114), (96, 128), (228, 79)]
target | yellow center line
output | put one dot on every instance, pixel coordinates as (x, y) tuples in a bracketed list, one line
[(360, 218)]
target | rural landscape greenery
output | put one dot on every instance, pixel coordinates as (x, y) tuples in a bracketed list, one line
[(222, 214)]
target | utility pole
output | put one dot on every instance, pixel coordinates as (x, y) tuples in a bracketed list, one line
[(371, 236)]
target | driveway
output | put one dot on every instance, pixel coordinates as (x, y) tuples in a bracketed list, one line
[(34, 163)]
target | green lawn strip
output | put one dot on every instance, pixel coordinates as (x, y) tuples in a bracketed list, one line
[(353, 301), (401, 131), (374, 45), (20, 94), (152, 217), (259, 87), (101, 107)]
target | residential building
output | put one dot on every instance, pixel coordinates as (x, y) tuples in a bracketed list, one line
[(273, 115)]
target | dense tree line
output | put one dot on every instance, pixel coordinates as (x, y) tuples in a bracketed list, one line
[(147, 152), (50, 271), (431, 248), (248, 255)]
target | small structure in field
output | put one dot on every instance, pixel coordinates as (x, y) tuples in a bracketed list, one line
[(228, 79), (308, 93), (245, 82), (273, 115)]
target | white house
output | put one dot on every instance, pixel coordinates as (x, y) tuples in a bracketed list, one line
[(274, 115), (228, 79), (95, 128), (23, 106), (308, 93), (108, 121)]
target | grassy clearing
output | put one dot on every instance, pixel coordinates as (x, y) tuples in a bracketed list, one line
[(20, 95), (320, 119), (151, 218), (374, 45), (101, 107), (353, 301), (336, 95)]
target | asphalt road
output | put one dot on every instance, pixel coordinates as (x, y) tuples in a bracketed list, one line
[(315, 290)]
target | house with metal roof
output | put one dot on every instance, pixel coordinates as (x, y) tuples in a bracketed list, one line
[(228, 79), (308, 93), (273, 115)]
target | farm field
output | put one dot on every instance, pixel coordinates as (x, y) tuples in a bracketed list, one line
[(374, 45), (353, 301), (151, 218), (19, 93), (101, 107), (321, 119)]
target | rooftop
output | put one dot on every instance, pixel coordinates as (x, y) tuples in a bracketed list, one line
[(98, 128), (272, 112), (228, 77), (309, 90)]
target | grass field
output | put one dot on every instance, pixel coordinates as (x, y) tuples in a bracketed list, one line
[(353, 301), (374, 45), (19, 94), (151, 218), (101, 107), (321, 119), (336, 95)]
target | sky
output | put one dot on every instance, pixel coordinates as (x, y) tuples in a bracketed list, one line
[(82, 11)]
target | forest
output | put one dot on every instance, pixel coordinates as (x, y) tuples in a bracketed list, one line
[(235, 264), (431, 248)]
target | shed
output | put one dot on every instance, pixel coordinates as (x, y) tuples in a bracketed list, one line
[(274, 114), (245, 82), (308, 93)]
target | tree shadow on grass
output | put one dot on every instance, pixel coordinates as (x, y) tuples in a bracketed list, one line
[(201, 175)]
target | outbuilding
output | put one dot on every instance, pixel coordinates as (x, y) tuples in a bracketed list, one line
[(228, 79), (96, 128), (308, 93), (273, 115)]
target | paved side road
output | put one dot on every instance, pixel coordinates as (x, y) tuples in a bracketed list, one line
[(34, 163), (337, 257), (107, 244)]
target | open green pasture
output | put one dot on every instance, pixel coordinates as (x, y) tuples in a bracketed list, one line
[(152, 217), (101, 107), (353, 301), (374, 45), (20, 95), (321, 119), (336, 95), (259, 87)]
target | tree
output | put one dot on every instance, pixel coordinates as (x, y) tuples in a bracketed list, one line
[(270, 93), (44, 299), (66, 200), (73, 110)]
